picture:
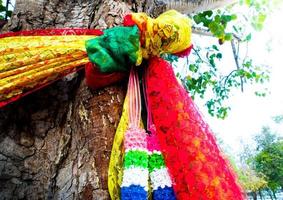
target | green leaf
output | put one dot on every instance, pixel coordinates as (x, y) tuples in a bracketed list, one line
[(226, 18), (234, 17), (215, 47), (9, 13), (248, 2), (248, 37), (2, 8), (207, 13), (219, 55), (197, 19), (228, 37), (193, 68)]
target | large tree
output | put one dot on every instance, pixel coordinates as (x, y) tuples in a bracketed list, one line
[(56, 142)]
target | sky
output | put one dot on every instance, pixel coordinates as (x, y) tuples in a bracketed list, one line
[(249, 112)]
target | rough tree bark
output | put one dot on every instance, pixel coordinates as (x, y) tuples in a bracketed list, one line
[(56, 143)]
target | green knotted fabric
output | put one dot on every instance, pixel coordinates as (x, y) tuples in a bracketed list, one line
[(116, 50)]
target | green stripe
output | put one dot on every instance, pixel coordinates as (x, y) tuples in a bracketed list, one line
[(156, 161), (136, 158)]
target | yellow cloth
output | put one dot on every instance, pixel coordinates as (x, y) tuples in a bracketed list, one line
[(28, 62), (115, 170), (168, 33)]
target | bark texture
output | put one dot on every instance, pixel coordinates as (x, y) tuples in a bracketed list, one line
[(56, 143)]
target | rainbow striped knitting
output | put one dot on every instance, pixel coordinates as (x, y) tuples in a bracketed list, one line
[(135, 179)]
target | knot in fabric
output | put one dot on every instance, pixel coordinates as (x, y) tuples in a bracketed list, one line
[(169, 33), (116, 50), (141, 38)]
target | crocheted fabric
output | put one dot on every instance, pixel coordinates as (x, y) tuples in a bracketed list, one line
[(135, 177), (197, 166), (159, 177)]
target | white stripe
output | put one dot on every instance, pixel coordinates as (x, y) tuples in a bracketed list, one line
[(160, 178), (154, 152), (137, 149), (135, 176)]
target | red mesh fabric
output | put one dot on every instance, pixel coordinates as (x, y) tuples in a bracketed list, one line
[(197, 167)]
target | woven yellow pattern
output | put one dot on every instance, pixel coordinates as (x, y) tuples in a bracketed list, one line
[(169, 33), (28, 62)]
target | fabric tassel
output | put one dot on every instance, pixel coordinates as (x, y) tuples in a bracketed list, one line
[(198, 168), (135, 174)]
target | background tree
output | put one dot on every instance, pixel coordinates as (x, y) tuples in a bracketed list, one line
[(56, 143), (4, 13), (269, 159), (251, 181), (262, 163)]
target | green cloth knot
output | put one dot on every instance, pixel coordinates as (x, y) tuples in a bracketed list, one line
[(116, 50)]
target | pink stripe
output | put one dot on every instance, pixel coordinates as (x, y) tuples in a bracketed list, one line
[(152, 142), (135, 138)]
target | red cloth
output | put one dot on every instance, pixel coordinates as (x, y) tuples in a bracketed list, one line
[(96, 79), (50, 32), (197, 166), (184, 53)]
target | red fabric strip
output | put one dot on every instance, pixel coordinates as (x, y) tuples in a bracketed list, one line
[(96, 79), (50, 32)]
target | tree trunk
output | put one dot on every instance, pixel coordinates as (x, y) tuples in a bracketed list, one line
[(260, 194), (274, 194), (56, 142), (254, 195)]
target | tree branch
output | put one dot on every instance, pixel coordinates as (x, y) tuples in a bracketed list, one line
[(236, 58), (194, 6), (206, 32), (196, 52)]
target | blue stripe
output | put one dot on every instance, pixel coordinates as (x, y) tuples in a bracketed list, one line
[(166, 193), (133, 192)]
